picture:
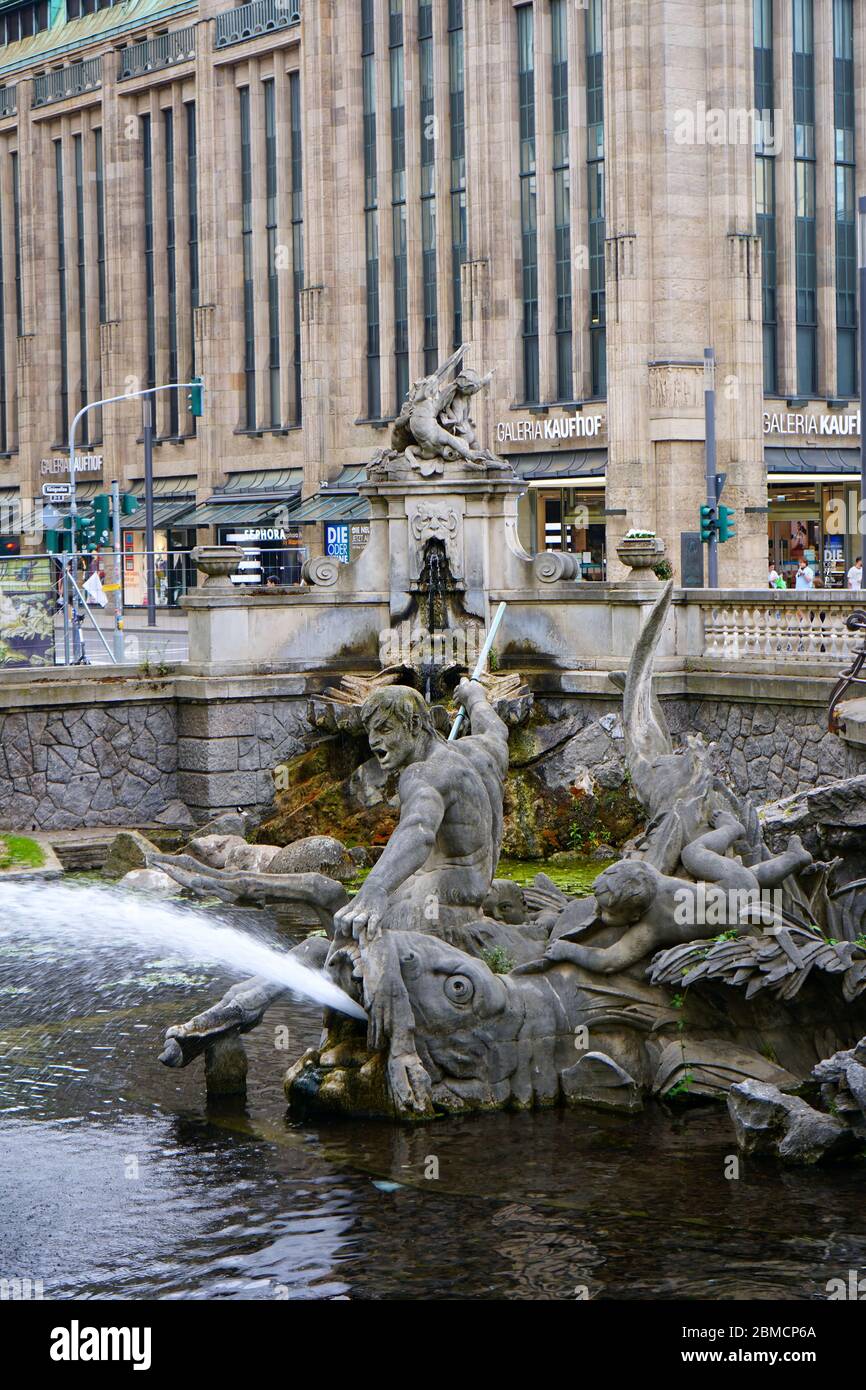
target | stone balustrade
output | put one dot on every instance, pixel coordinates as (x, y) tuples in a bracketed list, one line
[(789, 625)]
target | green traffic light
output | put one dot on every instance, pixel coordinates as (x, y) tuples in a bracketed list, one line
[(708, 523), (727, 524), (195, 397)]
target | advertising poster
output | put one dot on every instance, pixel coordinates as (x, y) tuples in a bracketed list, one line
[(28, 600)]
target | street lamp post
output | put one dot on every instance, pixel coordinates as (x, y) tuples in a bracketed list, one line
[(861, 279), (197, 389)]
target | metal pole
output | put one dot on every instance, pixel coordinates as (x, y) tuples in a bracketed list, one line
[(480, 665), (710, 453), (64, 598), (73, 540), (861, 277), (147, 406), (118, 574)]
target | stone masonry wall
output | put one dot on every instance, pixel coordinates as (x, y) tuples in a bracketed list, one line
[(105, 757), (109, 765)]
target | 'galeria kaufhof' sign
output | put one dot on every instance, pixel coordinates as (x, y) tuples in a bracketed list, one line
[(807, 424), (554, 431)]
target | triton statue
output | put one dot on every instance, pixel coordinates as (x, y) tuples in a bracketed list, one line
[(635, 991)]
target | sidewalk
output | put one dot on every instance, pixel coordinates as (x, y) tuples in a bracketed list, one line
[(167, 642)]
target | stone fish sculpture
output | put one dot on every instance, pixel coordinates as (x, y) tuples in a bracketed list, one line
[(584, 1000)]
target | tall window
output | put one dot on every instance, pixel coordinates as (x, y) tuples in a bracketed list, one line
[(4, 434), (428, 184), (561, 199), (528, 201), (249, 287), (765, 175), (16, 223), (846, 226), (457, 120), (149, 298), (81, 267), (61, 289), (271, 234), (804, 196), (297, 232), (398, 202), (100, 224), (371, 215), (595, 169), (192, 243), (171, 270)]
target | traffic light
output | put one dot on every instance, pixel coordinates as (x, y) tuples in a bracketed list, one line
[(195, 396), (128, 504), (102, 518), (727, 524), (85, 533), (708, 523)]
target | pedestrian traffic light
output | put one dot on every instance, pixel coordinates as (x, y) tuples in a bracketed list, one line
[(102, 518), (727, 524), (195, 396), (128, 504), (708, 523)]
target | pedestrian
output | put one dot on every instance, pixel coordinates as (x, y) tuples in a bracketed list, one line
[(773, 576), (855, 574), (805, 576)]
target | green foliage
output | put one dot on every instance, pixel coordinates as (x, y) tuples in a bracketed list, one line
[(497, 960), (682, 1087), (663, 570)]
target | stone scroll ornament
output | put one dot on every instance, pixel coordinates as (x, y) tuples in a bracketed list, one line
[(481, 995)]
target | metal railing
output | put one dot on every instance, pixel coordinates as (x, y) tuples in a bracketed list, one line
[(8, 101), (73, 81), (253, 20), (163, 51)]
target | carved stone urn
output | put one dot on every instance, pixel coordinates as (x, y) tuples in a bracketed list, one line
[(640, 554), (217, 562)]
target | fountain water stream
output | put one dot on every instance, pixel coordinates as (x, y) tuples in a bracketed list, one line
[(104, 924)]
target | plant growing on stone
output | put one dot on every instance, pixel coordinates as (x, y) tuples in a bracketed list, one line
[(497, 960)]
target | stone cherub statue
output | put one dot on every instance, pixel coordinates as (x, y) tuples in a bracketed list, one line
[(640, 910), (435, 427)]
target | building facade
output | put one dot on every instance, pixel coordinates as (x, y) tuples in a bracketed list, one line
[(309, 203)]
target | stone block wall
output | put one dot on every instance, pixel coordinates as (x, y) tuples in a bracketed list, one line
[(109, 750), (105, 765), (227, 750)]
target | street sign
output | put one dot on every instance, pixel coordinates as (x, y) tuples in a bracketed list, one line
[(56, 492)]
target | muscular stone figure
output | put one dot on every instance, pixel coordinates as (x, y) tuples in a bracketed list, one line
[(438, 865), (652, 910)]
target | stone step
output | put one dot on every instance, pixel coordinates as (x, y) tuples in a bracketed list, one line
[(87, 849)]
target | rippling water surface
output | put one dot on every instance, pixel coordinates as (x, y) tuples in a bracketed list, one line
[(119, 1180)]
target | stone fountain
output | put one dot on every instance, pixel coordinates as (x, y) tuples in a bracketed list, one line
[(704, 964)]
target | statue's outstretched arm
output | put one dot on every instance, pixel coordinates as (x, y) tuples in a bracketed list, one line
[(405, 853)]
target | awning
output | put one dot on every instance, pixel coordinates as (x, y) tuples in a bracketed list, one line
[(261, 484), (249, 498), (165, 513), (837, 462), (560, 466), (328, 506), (231, 513)]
